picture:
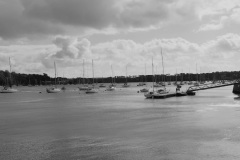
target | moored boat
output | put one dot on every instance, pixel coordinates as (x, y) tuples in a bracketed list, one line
[(236, 88), (84, 88), (102, 86), (54, 89), (157, 85), (8, 90), (92, 89), (141, 84), (144, 90), (111, 88), (160, 93), (125, 85)]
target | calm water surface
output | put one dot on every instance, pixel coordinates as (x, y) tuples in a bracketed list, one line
[(119, 125)]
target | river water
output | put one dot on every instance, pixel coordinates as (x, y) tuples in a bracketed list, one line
[(119, 125)]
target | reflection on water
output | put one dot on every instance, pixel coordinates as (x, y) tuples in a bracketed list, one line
[(118, 125)]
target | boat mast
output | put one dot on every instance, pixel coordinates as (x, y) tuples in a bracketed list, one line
[(83, 73), (152, 74), (55, 72), (196, 73), (10, 71), (126, 74), (112, 74), (93, 71), (189, 75), (114, 77), (176, 76), (145, 73), (200, 77), (163, 67), (182, 76)]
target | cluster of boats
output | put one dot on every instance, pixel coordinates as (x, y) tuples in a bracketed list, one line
[(158, 89)]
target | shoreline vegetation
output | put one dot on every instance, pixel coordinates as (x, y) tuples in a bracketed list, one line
[(44, 79)]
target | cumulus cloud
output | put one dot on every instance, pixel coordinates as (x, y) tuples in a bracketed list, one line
[(226, 46), (209, 27), (219, 14), (72, 48), (218, 54)]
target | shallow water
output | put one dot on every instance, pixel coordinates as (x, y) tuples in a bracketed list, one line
[(118, 125)]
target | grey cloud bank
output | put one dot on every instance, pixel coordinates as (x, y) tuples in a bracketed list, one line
[(52, 17)]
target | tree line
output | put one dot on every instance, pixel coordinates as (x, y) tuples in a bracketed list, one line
[(37, 79)]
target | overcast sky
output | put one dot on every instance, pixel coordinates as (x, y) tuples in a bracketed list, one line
[(35, 33)]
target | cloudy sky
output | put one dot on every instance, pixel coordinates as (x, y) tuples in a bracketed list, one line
[(35, 33)]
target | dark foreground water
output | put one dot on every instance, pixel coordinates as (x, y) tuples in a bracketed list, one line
[(120, 125)]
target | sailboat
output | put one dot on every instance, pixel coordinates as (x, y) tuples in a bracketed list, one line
[(93, 89), (84, 87), (111, 87), (196, 83), (163, 77), (144, 89), (113, 79), (189, 79), (54, 89), (157, 84), (160, 93), (169, 82), (102, 85), (181, 83), (8, 88), (143, 83), (125, 85)]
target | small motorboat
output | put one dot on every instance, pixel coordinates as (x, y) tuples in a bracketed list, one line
[(144, 90), (237, 98), (63, 88), (125, 85), (102, 86)]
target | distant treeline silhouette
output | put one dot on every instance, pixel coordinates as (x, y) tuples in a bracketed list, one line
[(44, 79)]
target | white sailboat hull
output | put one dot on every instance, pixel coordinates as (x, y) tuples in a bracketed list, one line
[(53, 90), (8, 90), (157, 94), (84, 88), (125, 85), (111, 89), (92, 90)]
